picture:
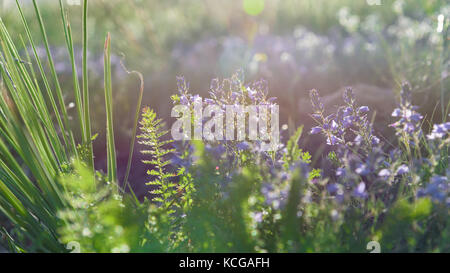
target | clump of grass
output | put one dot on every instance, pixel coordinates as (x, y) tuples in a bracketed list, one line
[(35, 152)]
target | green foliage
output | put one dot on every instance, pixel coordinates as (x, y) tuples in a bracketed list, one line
[(151, 136), (215, 222), (405, 224), (34, 152), (99, 219), (295, 154)]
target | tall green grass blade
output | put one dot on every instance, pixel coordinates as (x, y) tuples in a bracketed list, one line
[(26, 110), (87, 121), (110, 145), (59, 94), (444, 56), (60, 150), (76, 86)]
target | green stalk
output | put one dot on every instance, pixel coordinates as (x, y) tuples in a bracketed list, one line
[(56, 81), (443, 59), (23, 102), (76, 86), (136, 120), (87, 121), (60, 150), (110, 145)]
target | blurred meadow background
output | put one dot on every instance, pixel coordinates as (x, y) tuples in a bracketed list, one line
[(295, 45)]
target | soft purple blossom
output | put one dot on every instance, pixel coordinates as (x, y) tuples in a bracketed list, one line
[(362, 169), (402, 169), (437, 189), (333, 140), (358, 139), (360, 190), (409, 121), (332, 188), (397, 112), (348, 121), (243, 145), (316, 101), (274, 197), (349, 97), (375, 140), (217, 151), (316, 130), (340, 171), (363, 109), (384, 173), (182, 84), (439, 131), (334, 126), (184, 100), (316, 116), (257, 216)]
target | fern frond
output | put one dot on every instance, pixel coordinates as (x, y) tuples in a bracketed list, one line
[(152, 132)]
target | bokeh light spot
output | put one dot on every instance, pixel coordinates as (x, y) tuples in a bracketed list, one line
[(253, 7)]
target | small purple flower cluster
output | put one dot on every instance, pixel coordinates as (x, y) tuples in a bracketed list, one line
[(356, 174), (359, 174), (229, 91), (275, 196), (409, 124), (440, 132), (228, 153), (185, 98), (438, 189), (232, 91), (361, 162), (350, 122)]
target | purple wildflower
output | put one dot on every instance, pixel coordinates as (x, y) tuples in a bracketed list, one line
[(316, 101), (242, 145), (316, 130), (363, 109), (402, 169), (332, 188), (333, 140), (183, 86), (362, 169), (340, 172), (334, 126), (439, 131), (184, 100), (257, 216), (409, 121), (396, 113), (384, 173), (437, 189), (349, 97), (360, 190), (375, 140)]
